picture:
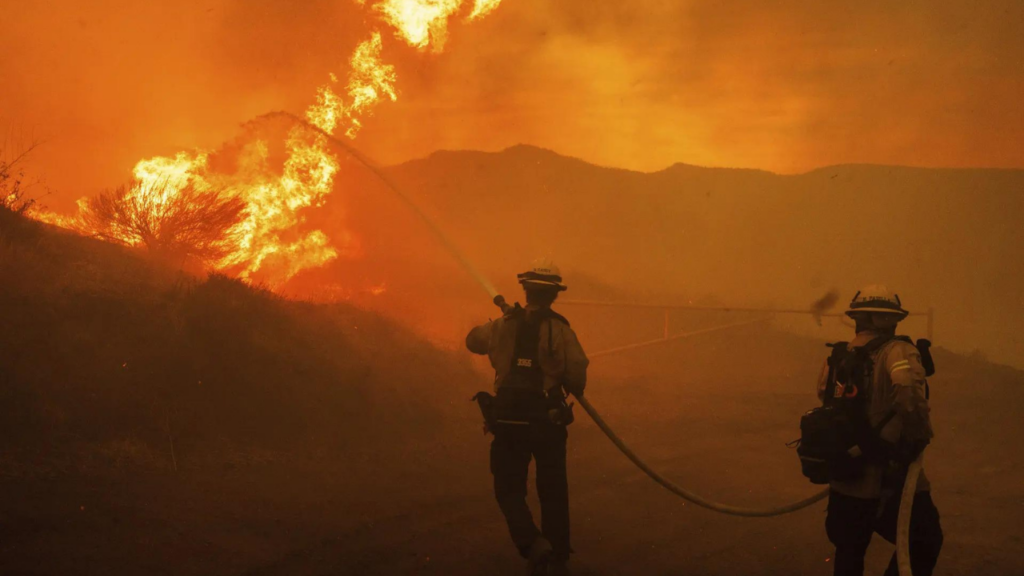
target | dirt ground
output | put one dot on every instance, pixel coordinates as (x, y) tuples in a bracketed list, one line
[(425, 507)]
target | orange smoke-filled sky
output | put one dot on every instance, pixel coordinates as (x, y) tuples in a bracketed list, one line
[(781, 85)]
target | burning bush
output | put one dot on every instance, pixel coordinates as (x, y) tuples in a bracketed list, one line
[(257, 232), (185, 223)]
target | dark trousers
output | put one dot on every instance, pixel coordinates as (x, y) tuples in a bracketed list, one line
[(852, 521), (511, 450)]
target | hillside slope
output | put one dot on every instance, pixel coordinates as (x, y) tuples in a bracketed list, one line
[(100, 348)]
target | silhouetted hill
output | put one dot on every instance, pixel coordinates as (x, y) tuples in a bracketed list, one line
[(943, 238)]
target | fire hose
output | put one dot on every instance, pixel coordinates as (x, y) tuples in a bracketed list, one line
[(907, 497), (683, 492), (903, 521)]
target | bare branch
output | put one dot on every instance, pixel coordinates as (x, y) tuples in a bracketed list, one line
[(13, 188), (23, 154)]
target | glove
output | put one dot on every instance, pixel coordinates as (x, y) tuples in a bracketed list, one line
[(573, 389)]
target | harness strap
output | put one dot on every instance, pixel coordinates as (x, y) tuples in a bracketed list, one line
[(888, 418), (551, 339), (839, 350)]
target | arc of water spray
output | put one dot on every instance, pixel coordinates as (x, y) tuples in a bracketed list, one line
[(905, 508), (452, 249)]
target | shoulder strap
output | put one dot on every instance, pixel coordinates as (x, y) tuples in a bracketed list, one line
[(839, 351), (551, 315)]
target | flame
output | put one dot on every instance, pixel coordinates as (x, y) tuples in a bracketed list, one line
[(328, 110), (265, 243), (167, 176), (421, 23), (482, 8), (273, 206), (370, 80), (71, 222)]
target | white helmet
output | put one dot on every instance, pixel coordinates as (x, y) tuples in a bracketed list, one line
[(543, 272), (876, 298)]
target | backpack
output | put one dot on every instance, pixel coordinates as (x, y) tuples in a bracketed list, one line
[(522, 398), (837, 440)]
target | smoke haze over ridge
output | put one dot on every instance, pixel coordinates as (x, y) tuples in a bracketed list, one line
[(787, 86)]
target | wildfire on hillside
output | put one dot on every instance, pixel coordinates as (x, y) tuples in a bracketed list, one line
[(263, 241)]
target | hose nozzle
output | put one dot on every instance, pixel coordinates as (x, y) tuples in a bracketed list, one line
[(499, 301)]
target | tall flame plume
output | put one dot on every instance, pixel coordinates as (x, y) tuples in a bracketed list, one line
[(264, 243)]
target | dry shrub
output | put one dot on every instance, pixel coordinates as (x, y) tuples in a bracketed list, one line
[(168, 222)]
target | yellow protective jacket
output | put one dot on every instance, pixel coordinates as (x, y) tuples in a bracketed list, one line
[(561, 357), (898, 382)]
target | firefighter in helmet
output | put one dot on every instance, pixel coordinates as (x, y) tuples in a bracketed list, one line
[(537, 361), (894, 400)]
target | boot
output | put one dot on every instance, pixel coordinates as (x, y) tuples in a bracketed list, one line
[(540, 554)]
